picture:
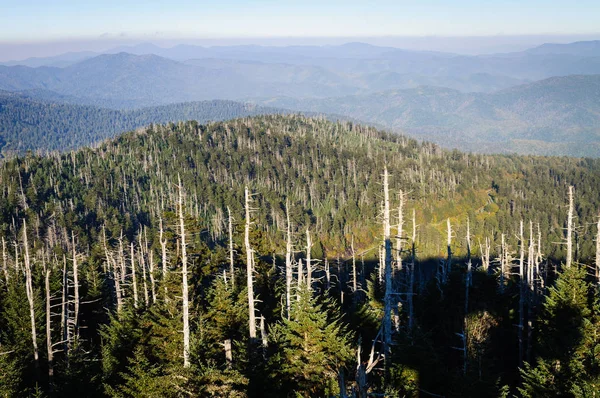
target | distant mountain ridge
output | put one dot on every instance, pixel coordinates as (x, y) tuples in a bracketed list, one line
[(149, 75), (543, 100), (560, 115)]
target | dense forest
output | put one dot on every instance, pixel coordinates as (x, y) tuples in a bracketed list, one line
[(290, 256), (51, 124)]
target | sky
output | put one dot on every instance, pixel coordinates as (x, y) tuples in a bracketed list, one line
[(32, 25)]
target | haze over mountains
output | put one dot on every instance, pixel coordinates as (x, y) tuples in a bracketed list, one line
[(547, 97)]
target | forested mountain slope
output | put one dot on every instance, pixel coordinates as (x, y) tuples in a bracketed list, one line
[(121, 229), (48, 125), (556, 116)]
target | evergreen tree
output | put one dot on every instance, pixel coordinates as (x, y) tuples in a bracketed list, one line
[(567, 345), (313, 346)]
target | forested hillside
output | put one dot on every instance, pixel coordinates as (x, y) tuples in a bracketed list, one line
[(289, 256), (555, 116), (48, 125)]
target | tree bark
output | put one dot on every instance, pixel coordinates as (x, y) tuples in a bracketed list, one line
[(288, 261), (387, 242), (5, 262), (30, 296), (570, 229), (134, 278), (76, 289), (249, 269), (184, 282), (231, 262), (49, 346), (308, 260)]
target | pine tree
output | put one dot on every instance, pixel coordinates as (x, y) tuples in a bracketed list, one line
[(567, 346), (314, 345)]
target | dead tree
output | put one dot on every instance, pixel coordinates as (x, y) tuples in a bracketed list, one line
[(530, 290), (249, 269), (354, 276), (122, 262), (150, 254), (134, 278), (522, 287), (411, 278), (449, 259), (113, 270), (387, 243), (184, 281), (163, 249), (30, 296), (231, 262), (143, 265), (65, 308), (468, 282), (570, 229), (75, 289), (300, 279), (49, 345), (308, 260), (504, 271), (400, 232), (485, 254), (5, 262), (288, 261)]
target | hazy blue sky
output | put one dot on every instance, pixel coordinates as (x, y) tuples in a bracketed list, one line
[(48, 27), (34, 20)]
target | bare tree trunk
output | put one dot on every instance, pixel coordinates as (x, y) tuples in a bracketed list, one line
[(530, 293), (387, 242), (570, 229), (308, 260), (134, 278), (5, 262), (150, 254), (122, 263), (76, 289), (502, 263), (17, 270), (163, 249), (288, 261), (184, 282), (263, 332), (49, 346), (327, 274), (539, 258), (411, 279), (115, 272), (30, 296), (354, 276), (143, 265), (400, 232), (231, 262), (522, 284), (449, 260), (468, 281), (228, 354), (300, 278), (151, 273), (249, 269), (65, 308)]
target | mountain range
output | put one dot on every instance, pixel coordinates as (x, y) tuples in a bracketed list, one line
[(541, 101), (555, 116)]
